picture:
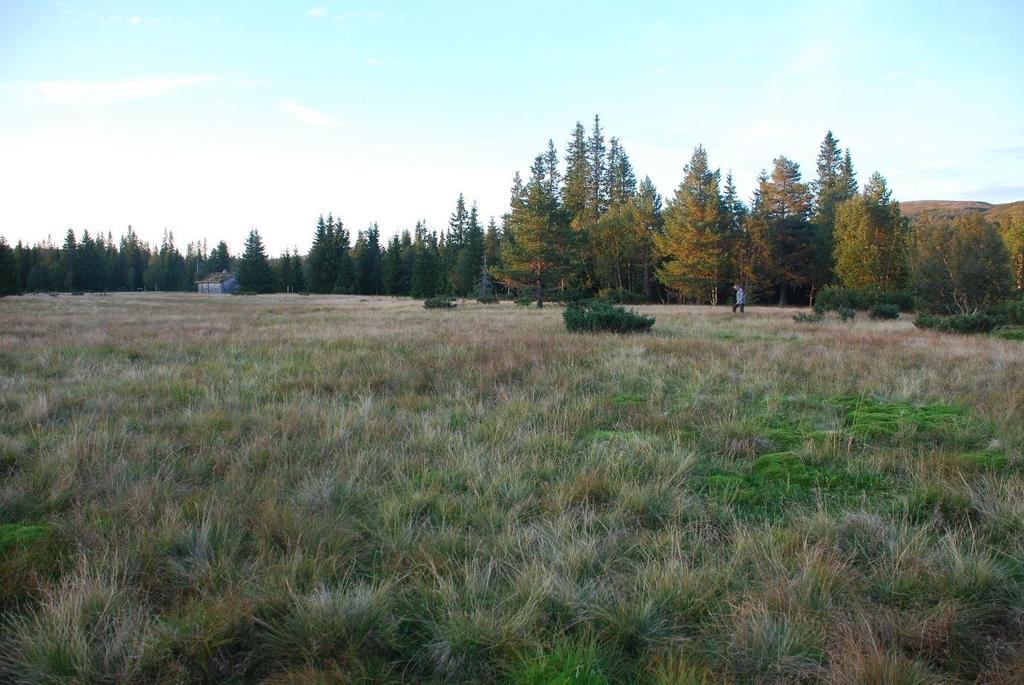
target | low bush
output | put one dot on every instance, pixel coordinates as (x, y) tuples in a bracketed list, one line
[(884, 311), (487, 299), (620, 296), (980, 322), (1010, 333), (846, 313), (595, 316), (1011, 312), (439, 302), (809, 317), (524, 301), (832, 298)]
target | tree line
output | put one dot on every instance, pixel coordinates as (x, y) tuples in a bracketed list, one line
[(582, 224)]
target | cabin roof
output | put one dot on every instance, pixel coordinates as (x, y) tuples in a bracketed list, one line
[(219, 277)]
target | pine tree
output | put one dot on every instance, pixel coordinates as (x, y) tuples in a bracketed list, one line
[(391, 267), (538, 253), (737, 241), (848, 176), (298, 273), (283, 270), (575, 185), (872, 240), (69, 272), (368, 262), (254, 273), (552, 177), (458, 223), (468, 262), (322, 262), (621, 181), (650, 223), (220, 259), (694, 245), (426, 277), (343, 265), (783, 244), (597, 201), (492, 242), (8, 269)]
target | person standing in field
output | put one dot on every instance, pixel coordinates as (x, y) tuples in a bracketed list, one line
[(741, 298)]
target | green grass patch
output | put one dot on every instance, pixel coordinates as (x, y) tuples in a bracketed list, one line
[(869, 417), (1010, 333), (565, 664)]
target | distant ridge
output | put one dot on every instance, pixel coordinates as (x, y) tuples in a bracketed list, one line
[(955, 208)]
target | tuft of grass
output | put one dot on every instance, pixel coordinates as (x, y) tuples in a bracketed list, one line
[(339, 489), (565, 663), (772, 648)]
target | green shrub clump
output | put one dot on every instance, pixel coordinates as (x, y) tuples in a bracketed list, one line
[(487, 299), (524, 301), (980, 322), (809, 317), (439, 302), (596, 316), (884, 311), (846, 313), (832, 298)]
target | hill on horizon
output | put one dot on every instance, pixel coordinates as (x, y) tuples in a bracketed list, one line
[(955, 208)]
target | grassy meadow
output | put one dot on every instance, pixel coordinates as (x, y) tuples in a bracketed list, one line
[(288, 489)]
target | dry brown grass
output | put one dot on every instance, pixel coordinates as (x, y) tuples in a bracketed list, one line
[(315, 489)]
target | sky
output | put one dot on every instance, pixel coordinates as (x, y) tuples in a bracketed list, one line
[(210, 118)]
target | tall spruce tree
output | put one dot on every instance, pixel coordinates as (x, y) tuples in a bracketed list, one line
[(783, 244), (597, 201), (321, 263), (8, 269), (538, 253), (254, 273), (621, 180), (219, 259), (425, 277), (467, 267), (344, 265), (694, 245), (650, 223), (575, 184), (872, 240)]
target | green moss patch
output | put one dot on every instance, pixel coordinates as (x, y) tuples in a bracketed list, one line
[(28, 554), (869, 417)]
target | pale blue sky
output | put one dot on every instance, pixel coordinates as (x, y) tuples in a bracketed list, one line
[(208, 118)]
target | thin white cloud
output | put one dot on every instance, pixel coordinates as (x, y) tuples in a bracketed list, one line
[(318, 12), (375, 62), (368, 15), (133, 20), (306, 115), (64, 92), (124, 20)]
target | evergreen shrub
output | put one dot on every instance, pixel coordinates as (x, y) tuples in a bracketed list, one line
[(884, 311), (980, 322), (832, 298), (809, 317), (439, 302), (595, 316)]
